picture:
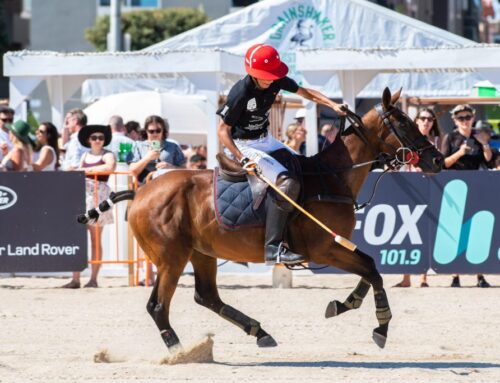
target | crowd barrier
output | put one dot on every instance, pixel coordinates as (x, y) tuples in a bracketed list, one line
[(39, 232), (446, 222), (118, 243)]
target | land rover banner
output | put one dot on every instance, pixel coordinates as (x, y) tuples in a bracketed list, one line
[(447, 222), (38, 228)]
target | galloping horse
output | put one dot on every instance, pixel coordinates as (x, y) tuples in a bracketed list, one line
[(174, 221)]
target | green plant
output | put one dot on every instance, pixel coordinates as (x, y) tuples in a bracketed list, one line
[(147, 27)]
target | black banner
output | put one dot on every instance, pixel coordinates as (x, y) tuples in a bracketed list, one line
[(38, 228), (447, 222)]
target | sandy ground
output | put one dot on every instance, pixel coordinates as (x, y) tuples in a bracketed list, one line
[(437, 334)]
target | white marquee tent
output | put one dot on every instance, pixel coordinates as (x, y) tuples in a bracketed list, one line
[(208, 59)]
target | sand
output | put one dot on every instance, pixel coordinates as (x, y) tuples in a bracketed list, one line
[(437, 334)]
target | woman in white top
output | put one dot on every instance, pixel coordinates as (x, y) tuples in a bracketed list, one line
[(47, 137)]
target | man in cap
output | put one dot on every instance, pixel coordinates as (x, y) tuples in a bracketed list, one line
[(244, 132), (462, 149), (465, 150)]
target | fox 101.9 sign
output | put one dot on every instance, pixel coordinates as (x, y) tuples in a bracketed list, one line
[(38, 228), (447, 222)]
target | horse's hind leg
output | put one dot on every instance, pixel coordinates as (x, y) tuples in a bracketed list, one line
[(207, 295), (359, 263), (158, 305)]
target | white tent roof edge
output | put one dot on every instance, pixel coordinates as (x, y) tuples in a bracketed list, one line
[(398, 17)]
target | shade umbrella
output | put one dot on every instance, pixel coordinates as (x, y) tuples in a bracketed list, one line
[(186, 114)]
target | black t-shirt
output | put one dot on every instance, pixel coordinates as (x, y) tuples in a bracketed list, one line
[(470, 161), (247, 108)]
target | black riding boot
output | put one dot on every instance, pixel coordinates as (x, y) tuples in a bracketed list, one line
[(276, 219)]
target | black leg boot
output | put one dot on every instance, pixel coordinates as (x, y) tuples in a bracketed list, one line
[(275, 251)]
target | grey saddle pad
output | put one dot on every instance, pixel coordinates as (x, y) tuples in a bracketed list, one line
[(234, 205)]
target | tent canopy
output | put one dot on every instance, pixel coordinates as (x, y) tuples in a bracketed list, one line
[(210, 57)]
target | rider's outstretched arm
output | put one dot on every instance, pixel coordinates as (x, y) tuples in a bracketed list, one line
[(320, 98)]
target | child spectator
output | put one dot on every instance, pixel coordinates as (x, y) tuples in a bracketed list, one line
[(197, 162)]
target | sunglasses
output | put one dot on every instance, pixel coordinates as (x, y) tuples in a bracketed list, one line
[(154, 131), (41, 131), (426, 119), (7, 119), (464, 118), (96, 137)]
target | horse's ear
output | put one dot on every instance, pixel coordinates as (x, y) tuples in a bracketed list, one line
[(395, 96), (386, 98)]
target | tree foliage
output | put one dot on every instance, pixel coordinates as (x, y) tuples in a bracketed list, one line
[(147, 27)]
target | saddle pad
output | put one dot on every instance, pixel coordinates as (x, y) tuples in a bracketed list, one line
[(234, 205)]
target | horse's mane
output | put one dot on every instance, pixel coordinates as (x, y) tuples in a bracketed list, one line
[(324, 173)]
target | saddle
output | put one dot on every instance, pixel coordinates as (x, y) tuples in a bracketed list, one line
[(238, 196)]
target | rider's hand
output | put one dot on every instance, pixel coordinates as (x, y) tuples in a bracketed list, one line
[(249, 165), (340, 109)]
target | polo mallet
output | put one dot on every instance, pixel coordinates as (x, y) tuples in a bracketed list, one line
[(338, 238)]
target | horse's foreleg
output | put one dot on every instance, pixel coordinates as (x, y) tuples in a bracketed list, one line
[(207, 295), (158, 305), (359, 263), (353, 301)]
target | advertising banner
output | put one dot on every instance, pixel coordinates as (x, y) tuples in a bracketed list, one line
[(465, 235), (38, 228), (446, 222)]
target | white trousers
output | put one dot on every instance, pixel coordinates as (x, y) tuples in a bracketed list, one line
[(258, 149)]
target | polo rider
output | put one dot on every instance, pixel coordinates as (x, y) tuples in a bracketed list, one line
[(244, 133)]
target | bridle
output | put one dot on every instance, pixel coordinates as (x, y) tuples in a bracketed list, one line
[(408, 153)]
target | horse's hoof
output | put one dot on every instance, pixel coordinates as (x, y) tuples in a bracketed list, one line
[(379, 339), (176, 348), (331, 309), (266, 341)]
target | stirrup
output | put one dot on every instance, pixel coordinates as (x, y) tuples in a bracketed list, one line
[(282, 250)]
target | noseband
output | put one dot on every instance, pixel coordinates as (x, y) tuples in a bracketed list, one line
[(408, 152)]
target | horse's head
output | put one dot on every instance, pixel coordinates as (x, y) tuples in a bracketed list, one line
[(401, 137)]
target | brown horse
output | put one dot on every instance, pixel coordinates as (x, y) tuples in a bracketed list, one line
[(174, 222)]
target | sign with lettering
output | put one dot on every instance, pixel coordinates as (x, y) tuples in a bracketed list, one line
[(38, 228), (446, 222)]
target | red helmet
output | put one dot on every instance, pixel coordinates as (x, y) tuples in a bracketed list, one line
[(263, 62)]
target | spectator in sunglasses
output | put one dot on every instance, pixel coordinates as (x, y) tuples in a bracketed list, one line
[(427, 125), (156, 153), (97, 160), (464, 150), (47, 138), (6, 118)]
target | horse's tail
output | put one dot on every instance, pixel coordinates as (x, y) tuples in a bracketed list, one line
[(93, 214)]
